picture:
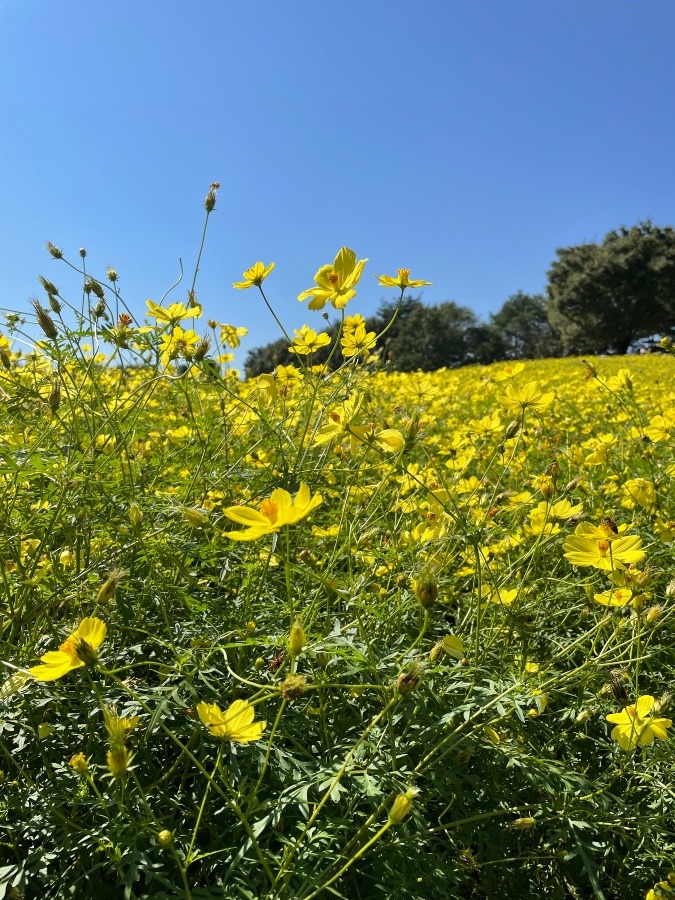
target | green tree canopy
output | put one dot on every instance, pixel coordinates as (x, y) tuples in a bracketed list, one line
[(523, 325), (605, 297)]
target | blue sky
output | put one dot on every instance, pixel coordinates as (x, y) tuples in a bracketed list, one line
[(463, 140)]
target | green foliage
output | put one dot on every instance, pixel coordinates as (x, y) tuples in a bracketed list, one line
[(524, 328), (604, 297)]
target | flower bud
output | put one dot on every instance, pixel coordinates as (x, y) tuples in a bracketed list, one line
[(4, 358), (512, 429), (118, 760), (82, 252), (297, 638), (426, 589), (112, 274), (402, 806), (196, 517), (201, 350), (79, 763), (55, 395), (523, 824), (107, 590), (164, 837), (259, 663), (135, 514), (322, 659), (86, 652), (583, 716), (54, 304), (96, 288)]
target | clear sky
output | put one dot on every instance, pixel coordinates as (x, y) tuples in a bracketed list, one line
[(463, 140)]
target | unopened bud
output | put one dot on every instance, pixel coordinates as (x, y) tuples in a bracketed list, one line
[(112, 274), (4, 358), (259, 663), (82, 252), (135, 514), (54, 304), (297, 638), (107, 590), (85, 652), (118, 760), (583, 716), (164, 837), (512, 429), (55, 395), (322, 658), (523, 824), (663, 703), (196, 517), (402, 806)]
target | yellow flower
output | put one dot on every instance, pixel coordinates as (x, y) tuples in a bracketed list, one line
[(337, 282), (254, 276), (274, 512), (234, 724), (357, 340), (230, 334), (77, 650), (174, 314), (617, 597), (639, 491), (402, 281), (635, 726), (79, 763), (306, 341), (178, 343), (529, 394), (591, 546), (402, 806)]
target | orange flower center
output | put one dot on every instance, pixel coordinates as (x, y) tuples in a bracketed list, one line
[(403, 275), (603, 547), (269, 509), (333, 278)]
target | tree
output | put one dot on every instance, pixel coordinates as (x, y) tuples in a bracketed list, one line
[(524, 328), (604, 297)]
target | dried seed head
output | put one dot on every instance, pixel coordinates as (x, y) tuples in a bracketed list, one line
[(54, 251), (44, 320)]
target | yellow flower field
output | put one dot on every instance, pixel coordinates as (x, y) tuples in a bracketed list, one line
[(395, 680)]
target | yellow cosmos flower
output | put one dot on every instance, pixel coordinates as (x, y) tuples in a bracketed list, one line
[(230, 334), (591, 546), (307, 341), (639, 491), (173, 314), (234, 724), (636, 726), (358, 340), (274, 512), (337, 282), (79, 649), (178, 343), (617, 597), (529, 395), (254, 276), (402, 280)]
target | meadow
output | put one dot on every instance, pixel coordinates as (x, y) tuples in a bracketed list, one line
[(351, 634)]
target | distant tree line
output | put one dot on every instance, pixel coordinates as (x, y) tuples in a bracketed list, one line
[(600, 298)]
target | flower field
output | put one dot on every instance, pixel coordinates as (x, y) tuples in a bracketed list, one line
[(350, 634)]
